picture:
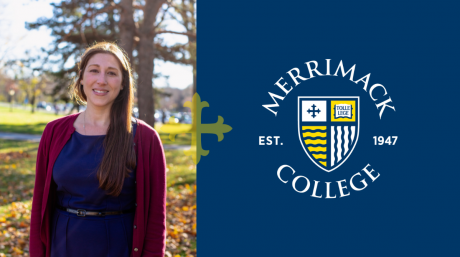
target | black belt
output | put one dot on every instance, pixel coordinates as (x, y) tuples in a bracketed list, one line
[(82, 213)]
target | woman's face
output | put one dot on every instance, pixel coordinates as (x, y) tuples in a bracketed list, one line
[(101, 80)]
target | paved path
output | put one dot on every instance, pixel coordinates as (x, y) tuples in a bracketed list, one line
[(36, 138), (16, 136)]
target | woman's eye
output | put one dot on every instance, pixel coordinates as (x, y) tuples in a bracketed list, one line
[(93, 71), (112, 73)]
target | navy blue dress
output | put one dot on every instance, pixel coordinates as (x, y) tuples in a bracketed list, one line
[(74, 172)]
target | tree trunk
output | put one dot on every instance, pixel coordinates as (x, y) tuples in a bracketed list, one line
[(127, 27), (146, 56), (32, 102)]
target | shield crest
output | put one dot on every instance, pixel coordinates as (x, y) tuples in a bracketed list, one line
[(328, 128)]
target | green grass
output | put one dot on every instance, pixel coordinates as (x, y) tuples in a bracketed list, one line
[(18, 172), (23, 121), (180, 168), (181, 138), (7, 146)]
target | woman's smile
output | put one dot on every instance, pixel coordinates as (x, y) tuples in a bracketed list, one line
[(100, 92)]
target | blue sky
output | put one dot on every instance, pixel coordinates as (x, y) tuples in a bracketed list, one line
[(15, 40)]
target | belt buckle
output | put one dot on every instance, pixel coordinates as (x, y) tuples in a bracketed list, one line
[(81, 213)]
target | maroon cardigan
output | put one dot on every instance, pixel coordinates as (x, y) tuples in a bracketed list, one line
[(149, 231)]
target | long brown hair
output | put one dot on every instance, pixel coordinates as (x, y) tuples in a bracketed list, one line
[(119, 155)]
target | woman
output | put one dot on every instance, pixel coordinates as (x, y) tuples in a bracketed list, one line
[(100, 186)]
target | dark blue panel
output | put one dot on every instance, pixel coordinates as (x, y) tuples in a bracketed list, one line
[(410, 47)]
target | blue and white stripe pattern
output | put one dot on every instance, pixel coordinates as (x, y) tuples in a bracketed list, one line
[(342, 140)]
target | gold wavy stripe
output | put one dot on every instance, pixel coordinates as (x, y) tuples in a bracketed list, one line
[(314, 134), (314, 127), (315, 142), (323, 163), (317, 149), (319, 156)]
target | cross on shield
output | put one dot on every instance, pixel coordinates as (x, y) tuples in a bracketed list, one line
[(328, 128)]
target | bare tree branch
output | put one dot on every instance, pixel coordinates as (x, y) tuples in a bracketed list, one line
[(138, 6), (165, 11), (189, 34)]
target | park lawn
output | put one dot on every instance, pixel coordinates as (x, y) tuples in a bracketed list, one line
[(180, 168), (7, 146), (17, 178), (25, 122)]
